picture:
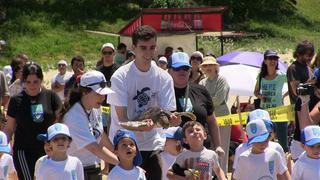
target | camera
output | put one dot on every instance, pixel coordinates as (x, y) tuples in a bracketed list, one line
[(305, 89)]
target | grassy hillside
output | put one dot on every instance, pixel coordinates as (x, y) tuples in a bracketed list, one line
[(46, 42)]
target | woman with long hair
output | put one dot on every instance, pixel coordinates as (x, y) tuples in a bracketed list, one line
[(30, 113), (268, 89), (82, 115)]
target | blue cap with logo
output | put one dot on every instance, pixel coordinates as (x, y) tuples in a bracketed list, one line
[(122, 133), (179, 59), (257, 131), (4, 146), (310, 135), (54, 130)]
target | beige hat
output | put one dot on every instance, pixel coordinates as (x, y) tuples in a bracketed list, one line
[(209, 60)]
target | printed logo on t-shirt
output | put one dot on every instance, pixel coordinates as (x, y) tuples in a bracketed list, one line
[(271, 167), (142, 97), (37, 113), (189, 107), (74, 174), (5, 171)]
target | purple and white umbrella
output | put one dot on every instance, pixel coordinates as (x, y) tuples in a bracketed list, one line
[(254, 59)]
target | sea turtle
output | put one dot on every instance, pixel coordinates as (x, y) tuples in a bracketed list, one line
[(141, 97), (159, 117)]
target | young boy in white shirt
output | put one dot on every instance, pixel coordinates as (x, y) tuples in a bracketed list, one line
[(198, 158), (264, 115), (125, 147), (7, 170), (58, 165), (308, 164), (260, 162), (172, 148)]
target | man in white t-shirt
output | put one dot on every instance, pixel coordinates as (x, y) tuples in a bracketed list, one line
[(138, 86), (60, 79)]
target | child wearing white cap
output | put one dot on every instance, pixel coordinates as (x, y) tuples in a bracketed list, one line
[(59, 80), (263, 115), (7, 170), (308, 164), (260, 162), (58, 165)]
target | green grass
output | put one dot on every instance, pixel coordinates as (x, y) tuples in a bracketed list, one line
[(46, 42)]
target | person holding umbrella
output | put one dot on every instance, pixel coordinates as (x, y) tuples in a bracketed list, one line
[(218, 89), (268, 89)]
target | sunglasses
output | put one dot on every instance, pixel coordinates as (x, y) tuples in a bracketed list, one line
[(184, 68), (273, 58), (61, 65), (196, 58), (109, 53), (102, 84)]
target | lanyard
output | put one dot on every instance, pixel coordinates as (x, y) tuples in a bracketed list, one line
[(186, 98)]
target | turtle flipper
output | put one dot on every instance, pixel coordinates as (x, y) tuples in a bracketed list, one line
[(189, 115)]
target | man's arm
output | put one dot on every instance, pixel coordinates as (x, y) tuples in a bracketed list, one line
[(122, 116)]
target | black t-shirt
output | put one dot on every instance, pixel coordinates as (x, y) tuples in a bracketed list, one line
[(33, 115), (107, 72), (201, 103), (299, 72), (71, 83)]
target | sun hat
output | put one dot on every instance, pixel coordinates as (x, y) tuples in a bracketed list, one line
[(257, 131), (53, 131), (4, 146), (310, 135), (109, 45), (96, 81), (179, 59), (122, 133), (209, 60)]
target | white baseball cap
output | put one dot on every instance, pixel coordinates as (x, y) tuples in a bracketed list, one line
[(257, 131), (259, 114), (174, 133), (4, 146), (179, 59), (109, 45), (3, 42), (63, 62), (53, 131), (310, 135), (96, 81), (163, 59)]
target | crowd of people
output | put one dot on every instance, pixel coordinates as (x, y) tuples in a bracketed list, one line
[(64, 132)]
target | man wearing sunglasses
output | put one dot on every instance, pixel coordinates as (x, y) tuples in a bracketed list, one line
[(191, 97), (139, 85), (107, 68)]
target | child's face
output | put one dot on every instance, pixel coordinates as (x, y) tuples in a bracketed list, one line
[(126, 149), (313, 151), (173, 146), (195, 135), (259, 147), (60, 143)]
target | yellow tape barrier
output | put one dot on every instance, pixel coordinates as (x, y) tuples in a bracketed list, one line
[(277, 114), (105, 109)]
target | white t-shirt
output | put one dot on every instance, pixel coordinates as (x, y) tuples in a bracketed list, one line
[(118, 173), (264, 166), (83, 131), (61, 79), (203, 161), (166, 161), (139, 91), (48, 169), (6, 166), (306, 168), (244, 147)]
